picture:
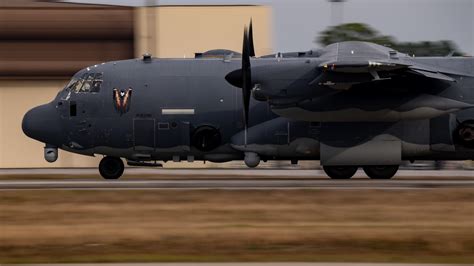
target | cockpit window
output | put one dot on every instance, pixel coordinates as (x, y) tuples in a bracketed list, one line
[(71, 83), (86, 86), (78, 85), (97, 83), (87, 83)]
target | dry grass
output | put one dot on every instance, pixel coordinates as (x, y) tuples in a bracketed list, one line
[(221, 225)]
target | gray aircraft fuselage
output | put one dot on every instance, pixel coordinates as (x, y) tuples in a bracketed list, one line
[(151, 109)]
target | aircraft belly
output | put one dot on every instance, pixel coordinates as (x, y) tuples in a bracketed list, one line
[(373, 152), (298, 148), (360, 115)]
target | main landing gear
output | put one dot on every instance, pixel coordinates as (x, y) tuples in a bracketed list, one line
[(340, 172), (381, 171), (374, 172), (111, 167)]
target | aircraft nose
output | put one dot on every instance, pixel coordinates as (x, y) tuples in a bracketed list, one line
[(42, 123)]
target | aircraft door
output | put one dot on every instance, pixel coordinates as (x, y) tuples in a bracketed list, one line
[(144, 134)]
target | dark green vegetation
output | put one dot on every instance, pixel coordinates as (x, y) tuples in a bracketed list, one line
[(363, 32)]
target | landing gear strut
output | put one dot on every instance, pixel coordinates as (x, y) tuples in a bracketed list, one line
[(381, 171), (111, 167), (340, 172)]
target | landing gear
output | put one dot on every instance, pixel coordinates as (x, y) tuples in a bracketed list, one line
[(381, 171), (111, 167), (340, 172)]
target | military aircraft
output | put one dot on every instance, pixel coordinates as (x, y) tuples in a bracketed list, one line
[(349, 105)]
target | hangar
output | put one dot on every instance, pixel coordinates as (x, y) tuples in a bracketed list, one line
[(42, 44)]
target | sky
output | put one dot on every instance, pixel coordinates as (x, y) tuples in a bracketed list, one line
[(296, 23)]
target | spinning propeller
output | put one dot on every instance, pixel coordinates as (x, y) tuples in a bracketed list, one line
[(242, 78)]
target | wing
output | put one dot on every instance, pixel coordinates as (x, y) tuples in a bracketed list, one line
[(350, 63)]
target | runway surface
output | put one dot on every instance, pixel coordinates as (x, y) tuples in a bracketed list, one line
[(242, 264), (220, 173), (137, 178), (247, 184)]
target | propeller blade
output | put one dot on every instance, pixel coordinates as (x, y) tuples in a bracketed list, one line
[(252, 47), (246, 75), (242, 78)]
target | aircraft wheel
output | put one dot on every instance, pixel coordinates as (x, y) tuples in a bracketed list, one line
[(340, 172), (111, 167), (381, 171)]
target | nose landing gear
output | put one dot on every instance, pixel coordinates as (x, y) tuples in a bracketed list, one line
[(111, 167)]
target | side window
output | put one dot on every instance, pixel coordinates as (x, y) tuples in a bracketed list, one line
[(97, 83)]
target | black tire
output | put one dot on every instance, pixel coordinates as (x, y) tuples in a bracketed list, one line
[(340, 172), (381, 171), (111, 167)]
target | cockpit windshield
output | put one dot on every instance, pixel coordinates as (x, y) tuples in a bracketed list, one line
[(87, 83), (71, 83)]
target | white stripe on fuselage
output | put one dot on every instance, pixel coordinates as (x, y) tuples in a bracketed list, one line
[(177, 111)]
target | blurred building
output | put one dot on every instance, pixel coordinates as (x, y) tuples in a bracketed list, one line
[(42, 44)]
